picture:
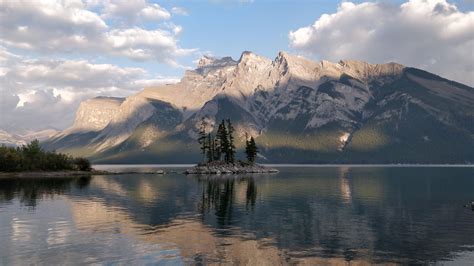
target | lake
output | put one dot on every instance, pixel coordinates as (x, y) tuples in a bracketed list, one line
[(310, 215)]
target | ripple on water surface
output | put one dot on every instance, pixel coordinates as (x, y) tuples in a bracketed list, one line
[(327, 215)]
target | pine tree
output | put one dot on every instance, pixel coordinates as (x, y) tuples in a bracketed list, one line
[(210, 149), (202, 137), (223, 136), (251, 150), (217, 149), (231, 149)]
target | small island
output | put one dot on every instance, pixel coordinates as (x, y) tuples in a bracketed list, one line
[(218, 153)]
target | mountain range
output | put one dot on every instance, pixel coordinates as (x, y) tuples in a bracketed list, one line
[(298, 110), (10, 139)]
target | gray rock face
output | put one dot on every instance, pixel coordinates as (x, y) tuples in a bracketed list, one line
[(277, 100), (95, 114), (133, 112)]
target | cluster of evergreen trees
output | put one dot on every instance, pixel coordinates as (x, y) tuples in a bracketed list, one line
[(251, 149), (221, 147), (32, 157)]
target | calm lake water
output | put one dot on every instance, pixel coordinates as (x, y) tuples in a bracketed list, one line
[(312, 215)]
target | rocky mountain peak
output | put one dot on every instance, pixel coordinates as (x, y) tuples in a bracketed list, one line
[(281, 59), (297, 66), (205, 61), (250, 61), (208, 64), (248, 57), (208, 61)]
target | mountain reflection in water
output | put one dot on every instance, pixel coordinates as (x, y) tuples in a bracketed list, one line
[(330, 215)]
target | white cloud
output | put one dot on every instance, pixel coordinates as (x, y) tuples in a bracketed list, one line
[(133, 10), (41, 91), (429, 34), (38, 93), (78, 74), (140, 44), (179, 11), (71, 26)]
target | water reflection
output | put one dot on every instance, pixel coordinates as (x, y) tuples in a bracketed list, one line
[(308, 215), (345, 185), (30, 190), (219, 192)]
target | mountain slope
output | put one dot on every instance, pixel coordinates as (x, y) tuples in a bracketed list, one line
[(8, 139), (299, 110)]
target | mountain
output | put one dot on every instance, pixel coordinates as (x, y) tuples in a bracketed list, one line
[(299, 111), (9, 139)]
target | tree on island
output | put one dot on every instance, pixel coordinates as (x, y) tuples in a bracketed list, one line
[(251, 150), (231, 148), (222, 136), (217, 149), (202, 139), (210, 148), (221, 147)]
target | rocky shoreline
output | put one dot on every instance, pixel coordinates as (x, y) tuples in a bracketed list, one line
[(229, 169)]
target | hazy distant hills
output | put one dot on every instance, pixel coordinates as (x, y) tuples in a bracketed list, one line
[(300, 111), (9, 139)]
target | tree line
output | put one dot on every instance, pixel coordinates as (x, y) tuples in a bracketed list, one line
[(220, 147), (32, 157)]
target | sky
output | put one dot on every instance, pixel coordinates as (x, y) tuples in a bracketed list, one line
[(56, 53)]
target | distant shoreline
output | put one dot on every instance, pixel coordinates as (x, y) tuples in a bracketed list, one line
[(184, 165), (60, 174), (74, 174), (370, 165), (52, 174)]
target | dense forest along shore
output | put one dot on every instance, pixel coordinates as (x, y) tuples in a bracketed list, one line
[(30, 161)]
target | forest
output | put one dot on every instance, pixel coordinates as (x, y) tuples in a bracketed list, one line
[(31, 157)]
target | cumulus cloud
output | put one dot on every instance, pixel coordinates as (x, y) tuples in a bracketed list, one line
[(41, 93), (429, 34), (72, 26), (133, 10), (140, 44)]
